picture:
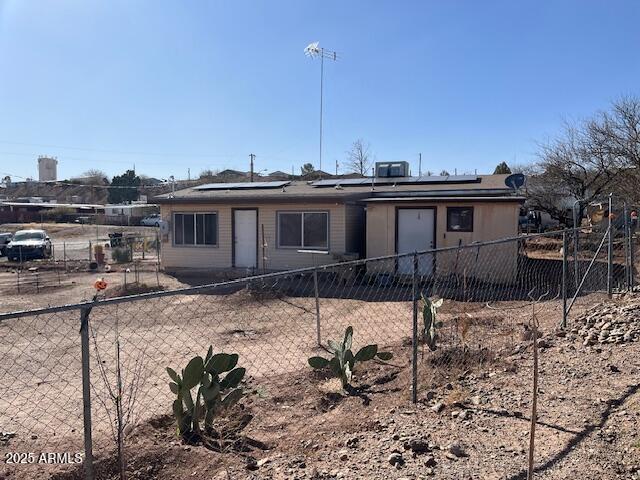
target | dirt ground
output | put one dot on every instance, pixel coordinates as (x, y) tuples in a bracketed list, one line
[(588, 405), (74, 287), (73, 239), (55, 280), (474, 392)]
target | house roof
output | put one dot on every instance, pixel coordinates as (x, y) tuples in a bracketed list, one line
[(45, 205), (485, 186)]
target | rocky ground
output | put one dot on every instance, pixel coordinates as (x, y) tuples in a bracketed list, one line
[(609, 323), (471, 424)]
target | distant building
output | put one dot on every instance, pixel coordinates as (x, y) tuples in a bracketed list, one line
[(47, 169), (279, 175), (232, 173)]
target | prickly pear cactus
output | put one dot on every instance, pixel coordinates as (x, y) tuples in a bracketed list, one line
[(344, 361), (215, 380), (431, 325)]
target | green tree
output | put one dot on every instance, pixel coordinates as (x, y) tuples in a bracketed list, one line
[(502, 168), (124, 188), (307, 168)]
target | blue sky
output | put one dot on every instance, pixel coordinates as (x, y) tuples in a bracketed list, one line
[(172, 85)]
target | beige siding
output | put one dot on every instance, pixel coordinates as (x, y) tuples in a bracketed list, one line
[(492, 221), (201, 257)]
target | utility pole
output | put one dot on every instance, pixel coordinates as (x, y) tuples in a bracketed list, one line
[(420, 164), (336, 167), (251, 158), (189, 174)]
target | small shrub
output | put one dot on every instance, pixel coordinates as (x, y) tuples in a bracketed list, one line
[(214, 393), (121, 255), (344, 361)]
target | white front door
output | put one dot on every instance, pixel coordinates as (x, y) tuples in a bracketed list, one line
[(245, 238), (416, 227)]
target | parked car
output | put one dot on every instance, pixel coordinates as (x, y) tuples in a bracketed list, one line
[(28, 244), (153, 220), (5, 238)]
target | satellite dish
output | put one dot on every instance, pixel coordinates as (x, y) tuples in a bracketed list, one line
[(164, 227), (515, 181)]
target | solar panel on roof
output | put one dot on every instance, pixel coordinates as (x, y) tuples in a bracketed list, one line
[(338, 181), (242, 185), (397, 180)]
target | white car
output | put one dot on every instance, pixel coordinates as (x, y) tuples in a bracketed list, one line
[(27, 244), (151, 220)]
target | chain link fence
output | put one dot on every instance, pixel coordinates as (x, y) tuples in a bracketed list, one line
[(105, 362)]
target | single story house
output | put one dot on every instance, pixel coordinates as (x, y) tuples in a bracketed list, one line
[(291, 224), (35, 211)]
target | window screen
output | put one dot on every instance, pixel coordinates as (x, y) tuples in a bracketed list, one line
[(195, 228), (290, 229), (459, 219), (303, 230), (315, 230)]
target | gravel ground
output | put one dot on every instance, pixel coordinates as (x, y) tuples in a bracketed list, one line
[(471, 421)]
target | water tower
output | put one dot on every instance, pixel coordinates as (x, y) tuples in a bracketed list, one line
[(47, 169)]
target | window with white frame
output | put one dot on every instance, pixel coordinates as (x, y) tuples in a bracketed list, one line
[(195, 229), (303, 230)]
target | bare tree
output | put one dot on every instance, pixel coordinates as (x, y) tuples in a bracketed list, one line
[(444, 173), (359, 158), (589, 159), (95, 176), (119, 400), (208, 173), (617, 131)]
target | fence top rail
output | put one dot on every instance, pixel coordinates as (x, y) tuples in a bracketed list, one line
[(253, 278)]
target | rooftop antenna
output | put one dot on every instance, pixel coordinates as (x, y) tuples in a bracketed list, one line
[(314, 50), (420, 164)]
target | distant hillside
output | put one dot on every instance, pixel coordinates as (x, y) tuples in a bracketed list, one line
[(70, 193)]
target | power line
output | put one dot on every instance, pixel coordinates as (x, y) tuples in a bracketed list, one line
[(73, 184), (118, 152), (148, 161)]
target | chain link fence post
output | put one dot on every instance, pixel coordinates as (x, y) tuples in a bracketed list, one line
[(631, 259), (315, 288), (565, 246), (86, 392), (610, 250), (625, 236), (414, 333)]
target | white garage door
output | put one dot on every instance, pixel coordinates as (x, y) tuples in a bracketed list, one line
[(416, 227)]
